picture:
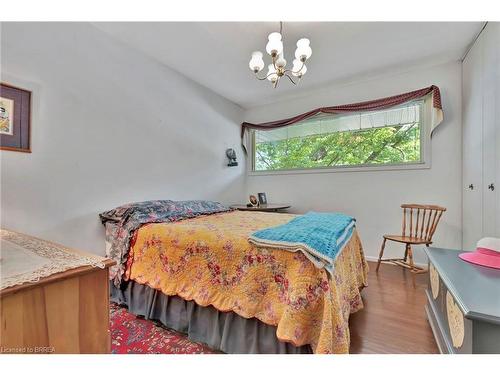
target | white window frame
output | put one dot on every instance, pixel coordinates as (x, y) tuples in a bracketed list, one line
[(424, 163)]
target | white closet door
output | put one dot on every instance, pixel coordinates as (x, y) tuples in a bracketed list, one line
[(490, 93), (472, 147), (496, 31)]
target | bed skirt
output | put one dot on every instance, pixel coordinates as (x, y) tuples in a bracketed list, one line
[(224, 331)]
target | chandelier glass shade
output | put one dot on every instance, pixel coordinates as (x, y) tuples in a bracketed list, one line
[(277, 69)]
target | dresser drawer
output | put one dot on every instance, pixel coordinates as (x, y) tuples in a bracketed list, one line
[(455, 329)]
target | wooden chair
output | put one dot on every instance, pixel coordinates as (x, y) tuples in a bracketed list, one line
[(422, 221)]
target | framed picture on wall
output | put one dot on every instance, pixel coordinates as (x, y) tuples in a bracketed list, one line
[(15, 118)]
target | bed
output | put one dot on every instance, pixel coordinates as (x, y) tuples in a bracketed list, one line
[(201, 276)]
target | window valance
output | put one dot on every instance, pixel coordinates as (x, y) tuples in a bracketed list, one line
[(372, 105)]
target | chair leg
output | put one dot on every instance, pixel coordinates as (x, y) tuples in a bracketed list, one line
[(406, 253), (409, 251), (381, 254)]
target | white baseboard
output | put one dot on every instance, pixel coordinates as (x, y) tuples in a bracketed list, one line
[(375, 259)]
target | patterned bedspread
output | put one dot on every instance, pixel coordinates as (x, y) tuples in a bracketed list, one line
[(209, 260), (122, 222)]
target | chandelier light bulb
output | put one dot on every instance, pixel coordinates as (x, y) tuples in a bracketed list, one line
[(296, 70), (281, 62), (271, 73), (274, 45), (256, 63), (303, 51), (303, 71)]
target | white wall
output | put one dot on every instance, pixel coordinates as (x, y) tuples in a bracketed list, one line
[(109, 126), (374, 198)]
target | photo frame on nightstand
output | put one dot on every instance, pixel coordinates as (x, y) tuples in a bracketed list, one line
[(262, 198), (253, 201)]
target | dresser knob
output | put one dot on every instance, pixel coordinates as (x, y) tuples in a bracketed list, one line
[(471, 186), (491, 186)]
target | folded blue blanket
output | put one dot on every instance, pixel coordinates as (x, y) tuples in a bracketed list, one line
[(320, 236)]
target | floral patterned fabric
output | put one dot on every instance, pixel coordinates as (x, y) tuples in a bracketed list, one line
[(209, 260), (122, 222)]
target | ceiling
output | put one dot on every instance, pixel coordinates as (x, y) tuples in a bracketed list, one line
[(216, 54)]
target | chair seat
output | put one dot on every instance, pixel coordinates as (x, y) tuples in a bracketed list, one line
[(406, 239)]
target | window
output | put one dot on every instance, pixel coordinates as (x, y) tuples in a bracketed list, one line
[(393, 136)]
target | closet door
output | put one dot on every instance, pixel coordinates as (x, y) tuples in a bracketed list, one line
[(491, 93), (472, 210), (496, 31)]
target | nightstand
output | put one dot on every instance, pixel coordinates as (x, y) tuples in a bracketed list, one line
[(263, 207)]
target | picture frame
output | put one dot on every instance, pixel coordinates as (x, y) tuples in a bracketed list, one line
[(15, 118), (262, 198), (253, 201)]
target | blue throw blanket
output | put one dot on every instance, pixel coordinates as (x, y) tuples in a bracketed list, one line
[(320, 236)]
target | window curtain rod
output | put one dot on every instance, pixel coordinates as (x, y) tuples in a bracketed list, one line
[(372, 105)]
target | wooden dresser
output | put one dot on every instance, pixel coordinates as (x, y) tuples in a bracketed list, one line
[(66, 312), (463, 304)]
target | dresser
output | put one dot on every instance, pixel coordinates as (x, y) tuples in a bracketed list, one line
[(64, 308), (463, 304)]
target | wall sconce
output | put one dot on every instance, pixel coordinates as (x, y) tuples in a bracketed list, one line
[(231, 155)]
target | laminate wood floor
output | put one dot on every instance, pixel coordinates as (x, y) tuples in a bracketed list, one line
[(393, 320)]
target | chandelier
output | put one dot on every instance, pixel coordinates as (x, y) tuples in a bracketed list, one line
[(278, 69)]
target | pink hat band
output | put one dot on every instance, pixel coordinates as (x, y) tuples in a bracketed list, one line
[(487, 253)]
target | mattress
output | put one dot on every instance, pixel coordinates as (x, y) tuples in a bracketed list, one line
[(208, 260)]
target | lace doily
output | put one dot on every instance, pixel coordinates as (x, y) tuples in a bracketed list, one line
[(27, 259)]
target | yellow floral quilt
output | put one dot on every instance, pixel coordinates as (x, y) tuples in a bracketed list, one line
[(209, 260)]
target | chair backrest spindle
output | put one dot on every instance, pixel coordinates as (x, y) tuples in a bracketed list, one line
[(423, 223), (418, 217), (404, 221), (411, 222), (429, 230)]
